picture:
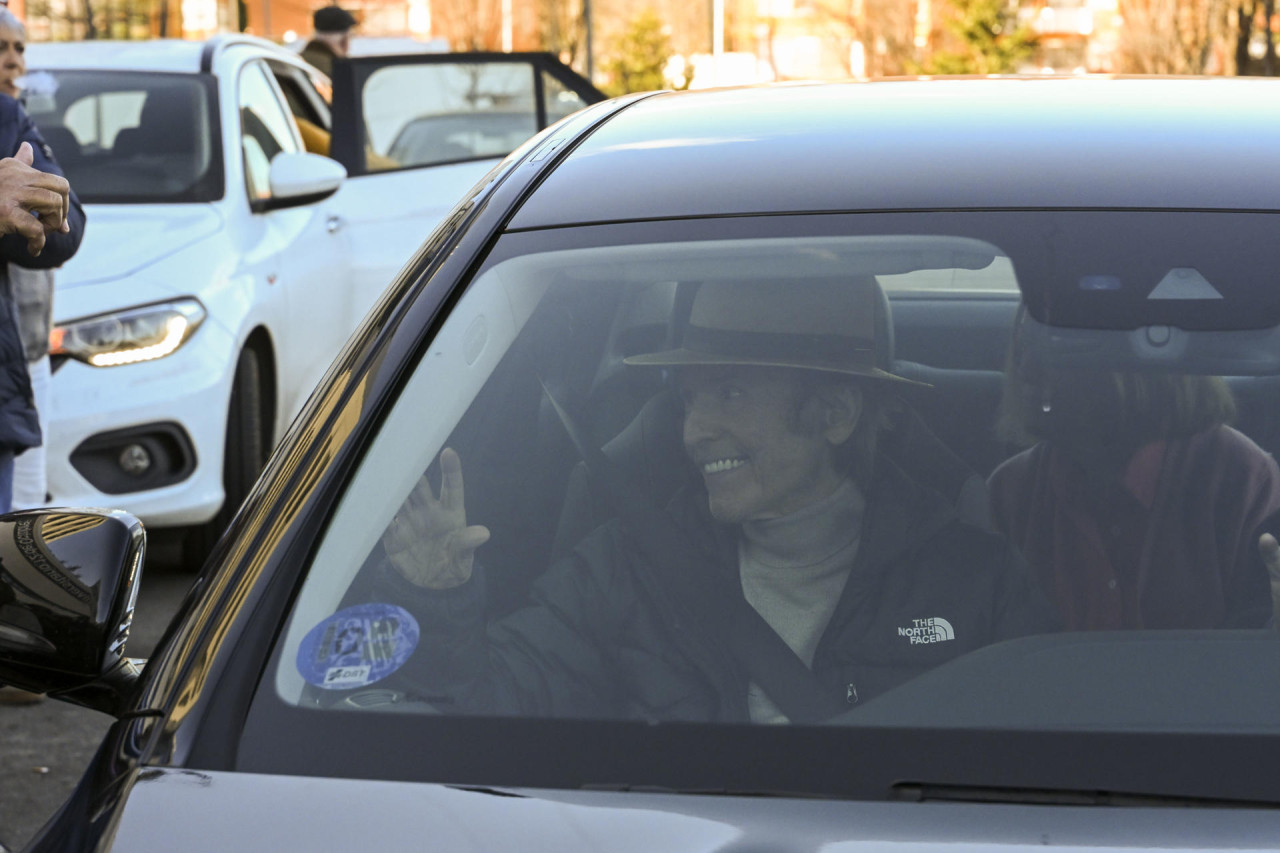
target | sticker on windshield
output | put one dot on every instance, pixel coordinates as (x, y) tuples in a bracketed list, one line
[(357, 646)]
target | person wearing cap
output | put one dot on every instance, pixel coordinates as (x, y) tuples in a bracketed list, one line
[(332, 37), (861, 577)]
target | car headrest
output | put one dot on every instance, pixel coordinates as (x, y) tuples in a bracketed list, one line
[(62, 142)]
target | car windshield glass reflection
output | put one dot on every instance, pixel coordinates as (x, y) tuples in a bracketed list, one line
[(787, 479)]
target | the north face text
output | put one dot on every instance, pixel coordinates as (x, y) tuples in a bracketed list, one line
[(932, 630)]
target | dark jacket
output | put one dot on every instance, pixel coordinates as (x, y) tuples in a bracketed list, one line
[(320, 54), (1172, 543), (616, 628), (19, 425)]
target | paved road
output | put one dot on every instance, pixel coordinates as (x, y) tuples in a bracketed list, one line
[(45, 746)]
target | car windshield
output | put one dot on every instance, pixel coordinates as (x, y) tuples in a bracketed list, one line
[(988, 470), (130, 137)]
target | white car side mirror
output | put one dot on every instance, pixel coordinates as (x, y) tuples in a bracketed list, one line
[(298, 178)]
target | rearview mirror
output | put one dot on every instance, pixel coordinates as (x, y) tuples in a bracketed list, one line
[(68, 583)]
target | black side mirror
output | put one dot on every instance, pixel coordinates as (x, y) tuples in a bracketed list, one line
[(68, 583)]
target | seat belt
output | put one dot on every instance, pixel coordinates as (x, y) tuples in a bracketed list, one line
[(777, 669), (757, 648)]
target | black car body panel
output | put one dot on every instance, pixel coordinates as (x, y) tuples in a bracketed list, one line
[(167, 769), (875, 146), (198, 810)]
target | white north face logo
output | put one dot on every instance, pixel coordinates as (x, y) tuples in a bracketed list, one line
[(932, 630)]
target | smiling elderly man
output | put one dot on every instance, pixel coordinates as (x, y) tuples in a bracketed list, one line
[(806, 575)]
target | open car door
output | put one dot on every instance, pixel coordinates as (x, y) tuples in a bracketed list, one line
[(417, 131)]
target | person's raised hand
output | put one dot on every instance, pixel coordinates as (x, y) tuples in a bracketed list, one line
[(429, 542), (1269, 548), (32, 203)]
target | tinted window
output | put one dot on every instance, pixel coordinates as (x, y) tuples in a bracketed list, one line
[(131, 137)]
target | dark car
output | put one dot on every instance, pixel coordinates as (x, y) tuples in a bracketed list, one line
[(847, 467)]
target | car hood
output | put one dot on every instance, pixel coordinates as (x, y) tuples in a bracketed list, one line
[(168, 809), (121, 239)]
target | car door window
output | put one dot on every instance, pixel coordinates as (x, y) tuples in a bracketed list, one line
[(560, 99), (417, 115), (309, 106), (264, 129), (411, 111)]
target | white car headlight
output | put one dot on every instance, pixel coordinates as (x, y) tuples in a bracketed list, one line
[(144, 333)]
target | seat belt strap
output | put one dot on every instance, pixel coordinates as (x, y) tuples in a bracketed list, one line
[(777, 669)]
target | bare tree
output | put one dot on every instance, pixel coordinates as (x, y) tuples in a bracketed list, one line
[(469, 24), (885, 28), (562, 30), (1174, 36), (1249, 14)]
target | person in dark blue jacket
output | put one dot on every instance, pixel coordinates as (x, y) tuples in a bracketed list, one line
[(41, 225)]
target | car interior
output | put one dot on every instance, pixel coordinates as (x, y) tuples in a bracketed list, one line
[(596, 428), (131, 137), (553, 428)]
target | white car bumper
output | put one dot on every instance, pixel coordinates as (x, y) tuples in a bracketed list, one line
[(161, 406)]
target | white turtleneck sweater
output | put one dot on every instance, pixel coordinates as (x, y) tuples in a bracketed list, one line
[(793, 570)]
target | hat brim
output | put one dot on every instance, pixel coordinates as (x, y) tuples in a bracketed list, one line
[(686, 357)]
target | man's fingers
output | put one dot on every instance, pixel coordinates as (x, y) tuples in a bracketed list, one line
[(45, 202), (420, 496), (470, 539), (451, 491), (28, 190), (393, 539), (1269, 548), (15, 220)]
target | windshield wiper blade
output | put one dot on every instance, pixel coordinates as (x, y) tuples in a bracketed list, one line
[(485, 789), (627, 787), (917, 792)]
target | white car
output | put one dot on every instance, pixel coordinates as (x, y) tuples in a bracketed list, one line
[(225, 263)]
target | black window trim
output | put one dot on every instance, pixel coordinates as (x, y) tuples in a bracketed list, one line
[(350, 75)]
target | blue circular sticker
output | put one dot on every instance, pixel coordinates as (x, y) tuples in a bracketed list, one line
[(357, 646)]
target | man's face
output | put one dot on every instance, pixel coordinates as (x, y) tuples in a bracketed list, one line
[(742, 432), (13, 62)]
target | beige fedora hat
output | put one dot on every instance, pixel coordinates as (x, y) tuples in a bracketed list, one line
[(821, 324)]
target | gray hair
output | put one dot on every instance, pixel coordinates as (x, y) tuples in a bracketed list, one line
[(10, 21)]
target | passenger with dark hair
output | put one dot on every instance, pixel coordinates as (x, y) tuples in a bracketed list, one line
[(805, 572), (1137, 505)]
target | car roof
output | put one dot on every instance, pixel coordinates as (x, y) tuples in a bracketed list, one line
[(166, 55), (1086, 142)]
